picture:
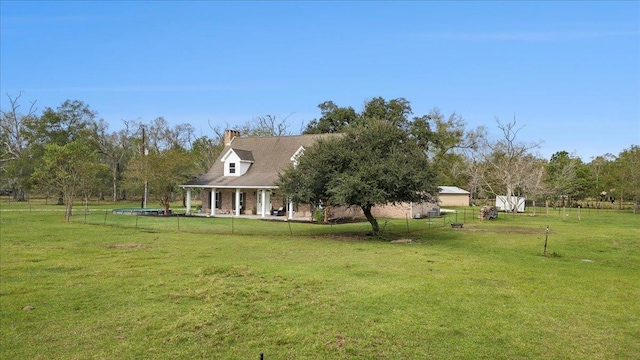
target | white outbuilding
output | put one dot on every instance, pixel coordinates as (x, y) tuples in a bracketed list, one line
[(515, 202)]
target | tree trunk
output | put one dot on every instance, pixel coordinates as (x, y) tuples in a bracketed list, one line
[(68, 211), (534, 208), (165, 204), (620, 200), (20, 195), (366, 209), (115, 185), (546, 205)]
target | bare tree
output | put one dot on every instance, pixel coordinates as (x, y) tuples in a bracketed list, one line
[(161, 136), (11, 126), (267, 125), (13, 142), (509, 163), (115, 149)]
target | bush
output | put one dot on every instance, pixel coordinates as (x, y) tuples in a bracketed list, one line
[(318, 215)]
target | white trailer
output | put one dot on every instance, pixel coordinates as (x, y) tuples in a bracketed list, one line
[(503, 204)]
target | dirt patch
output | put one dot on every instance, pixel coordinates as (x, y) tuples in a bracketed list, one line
[(128, 246)]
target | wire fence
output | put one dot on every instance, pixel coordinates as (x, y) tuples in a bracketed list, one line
[(102, 213), (280, 226), (254, 225)]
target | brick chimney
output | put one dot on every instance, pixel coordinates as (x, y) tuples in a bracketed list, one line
[(229, 135)]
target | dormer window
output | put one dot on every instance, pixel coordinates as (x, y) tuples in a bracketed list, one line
[(237, 162)]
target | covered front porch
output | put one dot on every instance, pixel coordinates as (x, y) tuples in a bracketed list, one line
[(254, 202)]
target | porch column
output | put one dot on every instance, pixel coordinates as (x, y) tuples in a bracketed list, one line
[(188, 211), (290, 209), (237, 202), (212, 209), (263, 194)]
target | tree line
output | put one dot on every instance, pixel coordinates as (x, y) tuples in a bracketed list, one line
[(69, 153)]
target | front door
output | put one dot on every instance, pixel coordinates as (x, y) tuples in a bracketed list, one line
[(267, 201)]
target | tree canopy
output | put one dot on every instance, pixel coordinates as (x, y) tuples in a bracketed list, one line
[(71, 169), (164, 171)]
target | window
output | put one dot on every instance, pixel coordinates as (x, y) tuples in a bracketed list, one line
[(218, 200), (233, 201), (232, 168)]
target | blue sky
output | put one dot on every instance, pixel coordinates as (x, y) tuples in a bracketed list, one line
[(569, 72)]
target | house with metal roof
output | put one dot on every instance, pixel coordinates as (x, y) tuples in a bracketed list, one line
[(453, 196)]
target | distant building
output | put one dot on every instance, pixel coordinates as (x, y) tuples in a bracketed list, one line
[(453, 196)]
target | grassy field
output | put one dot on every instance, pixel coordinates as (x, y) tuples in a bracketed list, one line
[(111, 287)]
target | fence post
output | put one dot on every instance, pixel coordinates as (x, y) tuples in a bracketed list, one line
[(105, 216), (545, 241), (407, 218)]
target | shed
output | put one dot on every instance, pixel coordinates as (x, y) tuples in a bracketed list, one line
[(453, 196), (508, 204)]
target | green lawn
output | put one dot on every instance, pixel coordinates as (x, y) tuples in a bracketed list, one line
[(233, 289)]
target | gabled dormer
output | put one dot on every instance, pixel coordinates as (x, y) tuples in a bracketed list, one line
[(237, 162)]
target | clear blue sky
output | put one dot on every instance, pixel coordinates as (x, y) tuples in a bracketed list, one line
[(568, 71)]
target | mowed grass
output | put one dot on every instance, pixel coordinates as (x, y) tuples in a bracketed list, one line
[(302, 291)]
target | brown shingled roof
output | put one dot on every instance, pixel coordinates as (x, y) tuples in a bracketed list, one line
[(270, 155), (244, 155)]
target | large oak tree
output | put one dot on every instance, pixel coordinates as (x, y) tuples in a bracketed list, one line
[(374, 163)]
